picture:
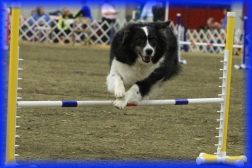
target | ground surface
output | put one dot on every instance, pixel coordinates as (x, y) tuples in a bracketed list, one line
[(57, 72)]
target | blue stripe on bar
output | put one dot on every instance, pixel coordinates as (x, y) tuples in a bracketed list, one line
[(70, 103), (181, 101)]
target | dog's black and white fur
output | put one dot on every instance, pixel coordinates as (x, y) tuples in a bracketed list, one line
[(142, 57)]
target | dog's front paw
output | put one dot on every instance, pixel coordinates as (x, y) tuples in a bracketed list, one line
[(120, 103), (119, 92), (134, 101)]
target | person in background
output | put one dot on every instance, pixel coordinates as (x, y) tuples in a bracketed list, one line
[(33, 12), (85, 11), (109, 15), (108, 12), (147, 14), (158, 11), (236, 51), (41, 16), (224, 20), (62, 25), (138, 11), (56, 13), (213, 24)]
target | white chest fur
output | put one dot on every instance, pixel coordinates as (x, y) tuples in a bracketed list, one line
[(131, 74)]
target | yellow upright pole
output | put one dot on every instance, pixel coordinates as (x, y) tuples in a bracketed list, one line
[(220, 156), (229, 47), (12, 85)]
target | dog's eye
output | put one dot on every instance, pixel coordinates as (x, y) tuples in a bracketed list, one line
[(153, 39), (139, 39)]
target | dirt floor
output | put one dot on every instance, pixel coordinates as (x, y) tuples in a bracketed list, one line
[(60, 72)]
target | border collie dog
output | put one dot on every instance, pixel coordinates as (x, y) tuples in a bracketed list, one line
[(142, 57)]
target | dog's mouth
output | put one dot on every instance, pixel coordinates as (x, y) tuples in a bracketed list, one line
[(146, 58)]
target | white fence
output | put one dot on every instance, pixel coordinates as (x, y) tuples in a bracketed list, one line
[(207, 36), (98, 32)]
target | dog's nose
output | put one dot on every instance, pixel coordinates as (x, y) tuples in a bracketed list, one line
[(148, 51)]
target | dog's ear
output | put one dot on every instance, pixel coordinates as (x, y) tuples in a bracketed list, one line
[(127, 31), (162, 25), (125, 35)]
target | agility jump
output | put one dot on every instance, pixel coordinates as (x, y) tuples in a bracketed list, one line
[(193, 43), (219, 157), (178, 40), (245, 47)]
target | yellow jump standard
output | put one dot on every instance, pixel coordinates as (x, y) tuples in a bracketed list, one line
[(12, 85), (220, 156)]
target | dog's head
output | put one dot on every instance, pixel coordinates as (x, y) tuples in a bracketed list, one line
[(146, 40)]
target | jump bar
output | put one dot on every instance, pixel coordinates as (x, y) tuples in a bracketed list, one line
[(73, 103), (208, 44)]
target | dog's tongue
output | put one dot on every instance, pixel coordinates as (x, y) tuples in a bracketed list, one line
[(146, 58)]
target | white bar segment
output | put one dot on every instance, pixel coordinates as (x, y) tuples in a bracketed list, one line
[(110, 102), (231, 14), (206, 100), (133, 15), (166, 10), (39, 103), (208, 44)]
